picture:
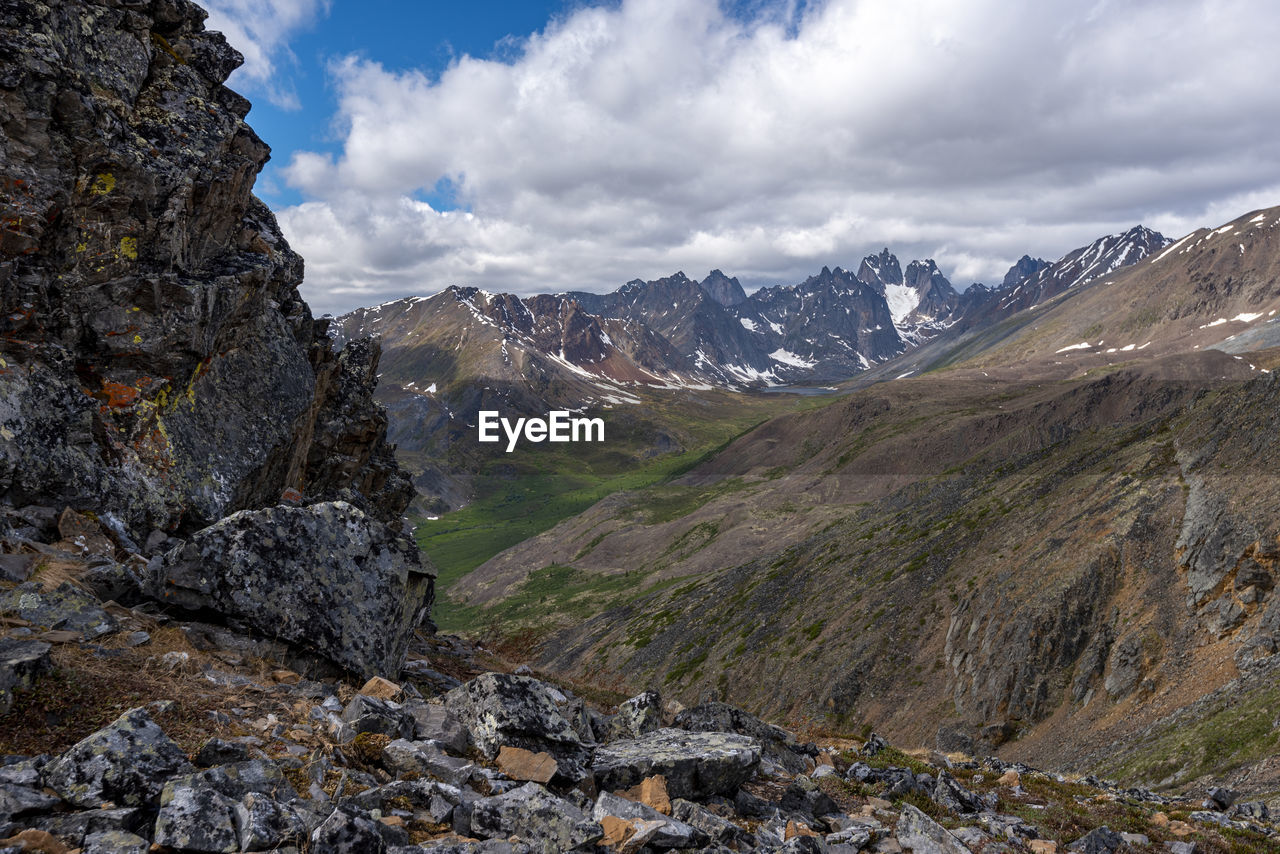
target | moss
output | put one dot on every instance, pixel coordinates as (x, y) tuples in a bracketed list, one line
[(366, 748)]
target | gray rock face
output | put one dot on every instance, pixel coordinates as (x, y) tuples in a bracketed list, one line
[(435, 723), (424, 758), (150, 303), (126, 762), (21, 662), (1100, 840), (922, 835), (18, 801), (502, 709), (547, 823), (696, 764), (326, 578), (263, 824), (718, 829)]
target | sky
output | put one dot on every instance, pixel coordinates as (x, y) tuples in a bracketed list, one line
[(537, 146)]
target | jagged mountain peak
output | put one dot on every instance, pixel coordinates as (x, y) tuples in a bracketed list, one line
[(1023, 269), (725, 290)]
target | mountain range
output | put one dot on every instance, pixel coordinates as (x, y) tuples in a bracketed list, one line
[(450, 355)]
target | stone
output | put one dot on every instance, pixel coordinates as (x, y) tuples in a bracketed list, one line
[(417, 758), (35, 841), (920, 834), (803, 796), (22, 662), (695, 764), (1100, 840), (537, 817), (197, 818), (126, 762), (640, 715), (215, 751), (138, 638), (66, 607), (346, 831), (20, 801), (1178, 846), (653, 792), (16, 567), (115, 842), (523, 765), (1042, 846), (716, 828), (327, 578), (75, 827), (1220, 798), (954, 797), (1010, 778), (616, 831), (262, 824), (434, 722), (379, 688), (873, 745), (286, 677), (503, 709), (778, 745), (666, 832), (371, 714)]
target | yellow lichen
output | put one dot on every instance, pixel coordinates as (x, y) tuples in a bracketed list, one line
[(104, 183), (129, 248)]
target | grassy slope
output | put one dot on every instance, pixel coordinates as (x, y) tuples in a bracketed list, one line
[(528, 491)]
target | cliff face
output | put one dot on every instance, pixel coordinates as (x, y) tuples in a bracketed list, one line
[(159, 372), (159, 367)]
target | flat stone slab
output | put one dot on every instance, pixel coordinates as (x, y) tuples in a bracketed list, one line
[(695, 764)]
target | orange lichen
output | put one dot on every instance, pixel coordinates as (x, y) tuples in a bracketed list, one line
[(119, 395)]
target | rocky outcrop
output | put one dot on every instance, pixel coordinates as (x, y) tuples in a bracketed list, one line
[(158, 365), (325, 578), (159, 371)]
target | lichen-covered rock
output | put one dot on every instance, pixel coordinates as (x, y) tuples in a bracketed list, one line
[(436, 723), (126, 762), (696, 764), (74, 827), (21, 663), (920, 834), (423, 758), (262, 824), (534, 815), (779, 746), (369, 714), (640, 715), (503, 709), (197, 818), (326, 578), (66, 607), (347, 831), (115, 842), (149, 304)]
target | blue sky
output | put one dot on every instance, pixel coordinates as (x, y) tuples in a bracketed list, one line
[(545, 146)]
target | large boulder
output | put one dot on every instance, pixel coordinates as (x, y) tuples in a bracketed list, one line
[(922, 835), (326, 578), (778, 745), (534, 815), (126, 762), (695, 764), (502, 709)]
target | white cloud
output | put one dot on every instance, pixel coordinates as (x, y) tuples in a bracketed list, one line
[(663, 134), (260, 29)]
